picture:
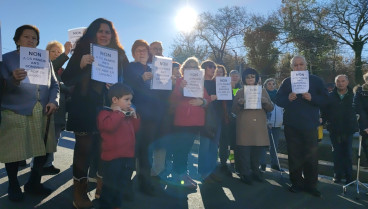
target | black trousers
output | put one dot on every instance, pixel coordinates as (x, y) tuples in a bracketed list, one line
[(302, 152)]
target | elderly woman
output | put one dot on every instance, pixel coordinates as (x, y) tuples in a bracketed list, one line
[(274, 121), (58, 56), (87, 99), (25, 107), (251, 129), (151, 106), (361, 106)]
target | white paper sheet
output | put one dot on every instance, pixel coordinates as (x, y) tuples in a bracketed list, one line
[(105, 65), (300, 81), (162, 72), (195, 83), (252, 96), (223, 88), (37, 64)]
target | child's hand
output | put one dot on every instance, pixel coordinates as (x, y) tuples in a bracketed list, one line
[(132, 112)]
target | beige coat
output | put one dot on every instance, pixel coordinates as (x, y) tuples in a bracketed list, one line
[(251, 125)]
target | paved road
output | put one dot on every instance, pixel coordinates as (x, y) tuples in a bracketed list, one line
[(231, 193)]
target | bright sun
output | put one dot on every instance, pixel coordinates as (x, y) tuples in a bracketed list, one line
[(186, 19)]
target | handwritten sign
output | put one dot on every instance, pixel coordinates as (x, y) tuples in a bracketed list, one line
[(223, 88), (105, 65), (195, 83), (1, 53), (75, 34), (37, 64), (162, 72), (300, 81), (252, 96)]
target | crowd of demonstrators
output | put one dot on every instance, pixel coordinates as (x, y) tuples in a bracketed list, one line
[(87, 99), (341, 122), (25, 108), (116, 125), (274, 123), (361, 107), (251, 131), (301, 119)]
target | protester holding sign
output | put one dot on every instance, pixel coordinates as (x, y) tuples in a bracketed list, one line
[(301, 119), (251, 129), (150, 106), (25, 109), (88, 97), (189, 121)]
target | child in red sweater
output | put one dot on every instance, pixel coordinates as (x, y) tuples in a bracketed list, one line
[(117, 125)]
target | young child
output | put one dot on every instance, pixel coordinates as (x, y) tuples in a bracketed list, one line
[(117, 125)]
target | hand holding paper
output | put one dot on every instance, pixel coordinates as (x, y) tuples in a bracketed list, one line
[(241, 101), (147, 76), (196, 102), (68, 47), (87, 59), (307, 96), (19, 74), (183, 83), (292, 96)]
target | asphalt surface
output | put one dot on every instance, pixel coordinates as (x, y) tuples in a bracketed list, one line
[(231, 193)]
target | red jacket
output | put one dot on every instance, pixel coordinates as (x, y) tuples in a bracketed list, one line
[(118, 134), (186, 114)]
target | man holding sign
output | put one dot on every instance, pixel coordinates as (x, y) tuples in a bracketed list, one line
[(301, 96)]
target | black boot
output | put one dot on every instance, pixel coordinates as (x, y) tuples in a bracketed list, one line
[(34, 186)]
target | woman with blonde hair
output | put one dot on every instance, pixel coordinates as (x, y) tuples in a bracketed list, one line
[(189, 120)]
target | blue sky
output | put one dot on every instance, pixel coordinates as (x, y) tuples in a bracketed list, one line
[(134, 19)]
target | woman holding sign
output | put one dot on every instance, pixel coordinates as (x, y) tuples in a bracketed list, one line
[(189, 121), (88, 97), (250, 105), (25, 107)]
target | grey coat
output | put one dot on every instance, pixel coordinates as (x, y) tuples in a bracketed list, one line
[(251, 125)]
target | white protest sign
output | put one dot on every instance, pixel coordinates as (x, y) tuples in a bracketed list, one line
[(1, 53), (37, 64), (252, 96), (162, 72), (195, 83), (300, 81), (223, 88), (74, 34), (105, 65)]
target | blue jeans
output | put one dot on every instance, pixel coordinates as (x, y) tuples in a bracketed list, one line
[(275, 131), (207, 157), (116, 178), (183, 140), (342, 155)]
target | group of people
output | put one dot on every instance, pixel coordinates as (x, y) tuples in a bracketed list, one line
[(128, 126)]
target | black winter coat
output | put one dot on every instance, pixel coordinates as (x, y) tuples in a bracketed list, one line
[(339, 114)]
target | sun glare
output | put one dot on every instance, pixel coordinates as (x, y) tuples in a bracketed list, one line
[(186, 19)]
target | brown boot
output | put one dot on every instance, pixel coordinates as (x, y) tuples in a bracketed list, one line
[(98, 187), (81, 200)]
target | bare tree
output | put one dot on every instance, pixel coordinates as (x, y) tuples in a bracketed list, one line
[(347, 21), (186, 45), (219, 29)]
